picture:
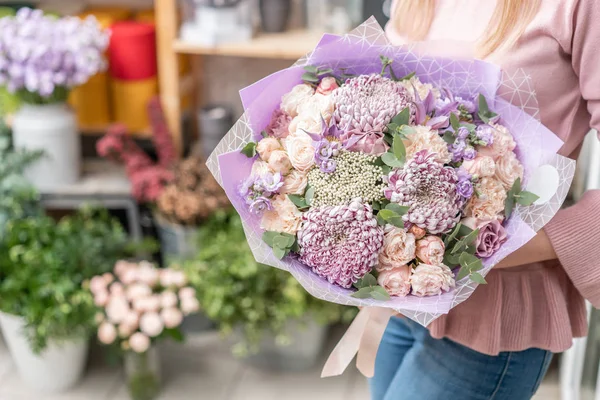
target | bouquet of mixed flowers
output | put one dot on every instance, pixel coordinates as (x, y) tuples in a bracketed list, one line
[(381, 176)]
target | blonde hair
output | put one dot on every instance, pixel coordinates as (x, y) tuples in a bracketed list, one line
[(413, 18)]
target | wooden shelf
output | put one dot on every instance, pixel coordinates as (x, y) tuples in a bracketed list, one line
[(101, 130), (288, 45)]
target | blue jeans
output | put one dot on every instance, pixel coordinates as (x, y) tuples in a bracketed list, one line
[(412, 365)]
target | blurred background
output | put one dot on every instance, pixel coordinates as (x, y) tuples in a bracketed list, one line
[(132, 144)]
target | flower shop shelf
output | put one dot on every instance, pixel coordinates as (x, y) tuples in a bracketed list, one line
[(96, 130), (287, 45)]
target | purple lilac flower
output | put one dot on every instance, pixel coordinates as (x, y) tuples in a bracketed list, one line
[(457, 150), (485, 133), (462, 133), (257, 191), (260, 205), (39, 52), (464, 187), (271, 182), (469, 153)]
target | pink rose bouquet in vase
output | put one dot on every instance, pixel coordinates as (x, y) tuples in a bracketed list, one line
[(402, 179), (141, 304)]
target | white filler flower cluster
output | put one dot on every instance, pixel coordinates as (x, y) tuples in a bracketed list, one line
[(355, 176)]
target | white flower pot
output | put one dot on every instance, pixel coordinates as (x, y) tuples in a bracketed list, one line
[(53, 129), (58, 368)]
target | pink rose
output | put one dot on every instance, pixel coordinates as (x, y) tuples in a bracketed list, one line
[(430, 250), (107, 333), (396, 281), (150, 303), (481, 166), (171, 317), (488, 203), (187, 293), (294, 183), (129, 276), (101, 298), (299, 94), (170, 277), (125, 330), (418, 232), (327, 85), (137, 291), (97, 285), (117, 308), (301, 151), (189, 305), (266, 146), (132, 319), (398, 249), (424, 138), (139, 342), (431, 280), (151, 324), (148, 273), (108, 278), (280, 162), (260, 168), (279, 125), (284, 217), (491, 236), (508, 169), (179, 279), (122, 266), (502, 144), (117, 289), (168, 299)]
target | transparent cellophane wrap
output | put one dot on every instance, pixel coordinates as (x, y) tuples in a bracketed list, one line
[(509, 94)]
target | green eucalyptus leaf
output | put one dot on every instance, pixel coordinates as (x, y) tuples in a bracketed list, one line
[(465, 241), (311, 68), (386, 169), (298, 201), (325, 71), (450, 259), (380, 220), (379, 293), (397, 208), (471, 262), (309, 77), (478, 278), (454, 122), (483, 104), (449, 137), (408, 76), (249, 150), (366, 281), (453, 234), (470, 127), (279, 253), (462, 273), (264, 134), (391, 160), (527, 198), (402, 118), (516, 187), (309, 195), (268, 237), (363, 293), (399, 149), (281, 242)]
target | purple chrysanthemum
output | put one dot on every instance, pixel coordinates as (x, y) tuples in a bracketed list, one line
[(429, 189), (340, 243)]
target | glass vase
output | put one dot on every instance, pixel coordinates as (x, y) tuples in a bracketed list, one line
[(142, 371)]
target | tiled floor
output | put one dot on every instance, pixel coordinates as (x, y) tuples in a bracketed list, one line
[(204, 369)]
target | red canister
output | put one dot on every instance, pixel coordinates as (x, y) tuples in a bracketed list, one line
[(132, 51)]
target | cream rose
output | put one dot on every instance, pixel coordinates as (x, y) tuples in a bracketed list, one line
[(299, 94), (301, 151), (488, 202), (430, 250), (418, 232), (431, 280), (266, 146), (396, 281), (280, 162), (294, 183), (260, 168), (503, 143), (481, 166), (508, 169), (327, 85), (398, 248), (306, 123), (284, 217), (316, 107), (426, 139)]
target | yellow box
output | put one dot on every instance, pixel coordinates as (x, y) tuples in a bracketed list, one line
[(130, 102), (91, 102)]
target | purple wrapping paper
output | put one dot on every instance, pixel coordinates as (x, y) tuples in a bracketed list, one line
[(359, 53)]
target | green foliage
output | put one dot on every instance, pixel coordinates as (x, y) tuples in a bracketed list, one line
[(516, 195), (484, 111), (249, 150), (17, 197), (43, 267), (237, 292), (314, 74), (368, 288)]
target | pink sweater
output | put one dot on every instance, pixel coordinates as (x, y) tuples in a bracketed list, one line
[(539, 305)]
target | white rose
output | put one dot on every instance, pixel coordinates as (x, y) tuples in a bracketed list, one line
[(280, 162), (284, 217), (266, 146), (431, 280), (294, 183), (317, 106), (301, 151), (298, 95)]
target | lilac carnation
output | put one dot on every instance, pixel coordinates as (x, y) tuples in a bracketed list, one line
[(462, 133), (469, 153), (257, 191), (340, 243), (430, 190), (260, 205), (464, 187), (485, 133)]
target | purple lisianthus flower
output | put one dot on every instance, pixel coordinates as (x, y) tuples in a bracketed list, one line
[(271, 182), (328, 166), (469, 153), (485, 133), (457, 150), (462, 133), (464, 187), (260, 205), (324, 149)]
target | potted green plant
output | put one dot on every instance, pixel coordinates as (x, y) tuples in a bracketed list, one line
[(46, 315), (274, 320)]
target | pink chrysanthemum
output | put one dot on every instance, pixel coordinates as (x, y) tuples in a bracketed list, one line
[(340, 243), (429, 189)]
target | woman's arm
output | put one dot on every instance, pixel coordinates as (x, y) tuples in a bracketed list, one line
[(536, 250)]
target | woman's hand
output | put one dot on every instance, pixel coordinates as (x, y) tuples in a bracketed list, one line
[(537, 249)]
